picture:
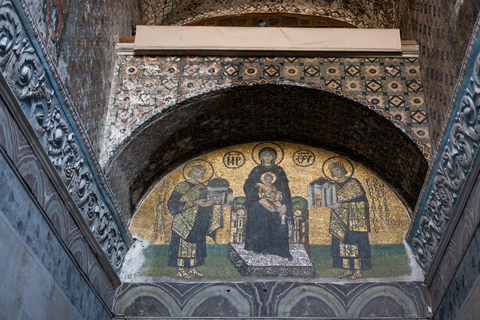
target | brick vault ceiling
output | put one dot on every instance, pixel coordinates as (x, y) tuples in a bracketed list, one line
[(360, 13)]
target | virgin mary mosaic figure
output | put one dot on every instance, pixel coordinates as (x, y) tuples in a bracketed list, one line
[(269, 207)]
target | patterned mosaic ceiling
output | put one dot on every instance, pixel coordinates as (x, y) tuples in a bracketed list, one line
[(265, 113), (360, 13), (146, 86)]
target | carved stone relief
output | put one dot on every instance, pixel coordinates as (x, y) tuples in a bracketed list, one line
[(27, 78), (454, 163)]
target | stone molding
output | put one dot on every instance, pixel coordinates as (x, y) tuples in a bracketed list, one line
[(27, 75), (271, 300), (72, 111), (250, 41), (453, 175)]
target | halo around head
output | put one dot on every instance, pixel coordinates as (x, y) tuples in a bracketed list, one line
[(260, 146), (209, 171), (274, 177), (336, 160)]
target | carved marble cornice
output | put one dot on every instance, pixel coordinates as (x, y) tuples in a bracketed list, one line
[(452, 173), (26, 73)]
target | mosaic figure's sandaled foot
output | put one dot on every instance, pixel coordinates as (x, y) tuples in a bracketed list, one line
[(182, 273), (346, 274), (355, 275), (195, 272)]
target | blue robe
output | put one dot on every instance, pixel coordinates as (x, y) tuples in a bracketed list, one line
[(264, 231)]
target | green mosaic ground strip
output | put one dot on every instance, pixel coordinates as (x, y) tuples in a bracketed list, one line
[(387, 261)]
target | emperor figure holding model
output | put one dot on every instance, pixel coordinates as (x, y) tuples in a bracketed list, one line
[(194, 218), (349, 224)]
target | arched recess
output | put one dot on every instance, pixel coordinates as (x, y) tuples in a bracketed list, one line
[(147, 299), (229, 302), (264, 113), (396, 302), (319, 297), (360, 13), (272, 20)]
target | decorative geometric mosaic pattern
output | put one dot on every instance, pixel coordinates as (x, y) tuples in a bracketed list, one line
[(145, 86), (370, 14)]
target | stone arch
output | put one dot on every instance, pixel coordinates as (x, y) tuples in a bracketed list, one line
[(135, 295), (287, 304), (387, 293), (230, 295), (360, 13), (285, 20), (265, 112), (134, 106)]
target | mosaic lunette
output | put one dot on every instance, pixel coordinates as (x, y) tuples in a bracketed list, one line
[(308, 222)]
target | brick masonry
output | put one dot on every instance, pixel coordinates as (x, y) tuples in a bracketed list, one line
[(443, 29), (79, 38)]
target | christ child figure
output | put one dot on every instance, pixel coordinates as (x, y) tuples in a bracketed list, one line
[(270, 197)]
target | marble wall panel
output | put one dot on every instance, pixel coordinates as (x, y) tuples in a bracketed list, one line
[(273, 300), (464, 279), (35, 178), (456, 256), (39, 271), (25, 279)]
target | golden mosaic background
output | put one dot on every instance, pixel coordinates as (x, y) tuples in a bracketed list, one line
[(387, 228)]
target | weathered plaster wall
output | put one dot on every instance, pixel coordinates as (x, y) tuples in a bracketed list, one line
[(78, 39), (443, 29)]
